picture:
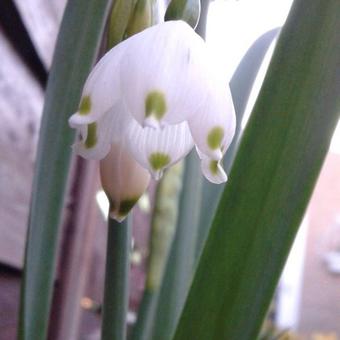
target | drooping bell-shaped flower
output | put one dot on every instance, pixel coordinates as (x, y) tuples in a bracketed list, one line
[(123, 180), (159, 93)]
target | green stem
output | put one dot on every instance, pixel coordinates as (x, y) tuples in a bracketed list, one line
[(115, 303)]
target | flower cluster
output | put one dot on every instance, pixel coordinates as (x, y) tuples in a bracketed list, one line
[(157, 94)]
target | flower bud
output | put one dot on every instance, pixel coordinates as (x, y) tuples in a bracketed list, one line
[(140, 19), (186, 10), (123, 181), (120, 14)]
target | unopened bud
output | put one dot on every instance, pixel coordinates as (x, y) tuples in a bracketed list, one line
[(186, 10), (120, 14), (123, 180), (141, 18)]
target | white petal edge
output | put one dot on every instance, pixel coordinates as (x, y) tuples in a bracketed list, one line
[(102, 87), (110, 128), (216, 114), (217, 175)]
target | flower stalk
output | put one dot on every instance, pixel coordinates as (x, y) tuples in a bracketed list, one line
[(123, 181), (116, 289)]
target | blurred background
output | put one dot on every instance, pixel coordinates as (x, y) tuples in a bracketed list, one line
[(307, 302)]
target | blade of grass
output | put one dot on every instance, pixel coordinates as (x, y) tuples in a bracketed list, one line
[(180, 264), (272, 178), (241, 85), (116, 290), (182, 257), (77, 44), (163, 228)]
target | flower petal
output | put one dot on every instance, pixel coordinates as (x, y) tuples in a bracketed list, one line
[(213, 171), (123, 180), (95, 139), (157, 149), (213, 124), (163, 73), (102, 88)]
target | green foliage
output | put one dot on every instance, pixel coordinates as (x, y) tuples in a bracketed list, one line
[(76, 48), (241, 84), (182, 257), (164, 220), (273, 175), (272, 178)]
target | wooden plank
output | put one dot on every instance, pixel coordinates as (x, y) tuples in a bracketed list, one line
[(42, 19), (20, 109)]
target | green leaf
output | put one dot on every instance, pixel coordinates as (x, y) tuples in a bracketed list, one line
[(76, 48), (180, 264), (164, 218), (272, 178), (182, 257), (241, 85)]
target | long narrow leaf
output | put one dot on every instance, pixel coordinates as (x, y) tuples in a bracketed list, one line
[(180, 265), (76, 48), (163, 228), (241, 85), (272, 178), (182, 257)]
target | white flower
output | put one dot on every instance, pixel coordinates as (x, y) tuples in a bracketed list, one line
[(123, 180), (159, 93)]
